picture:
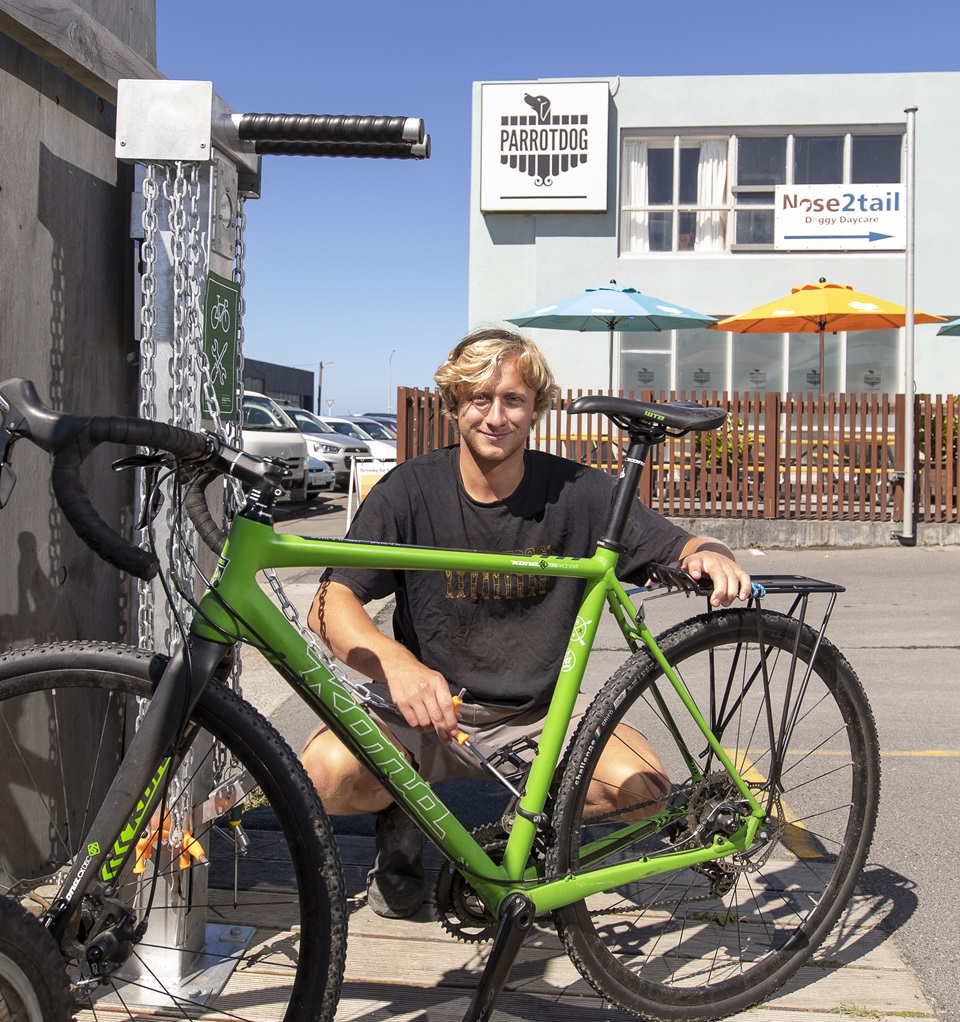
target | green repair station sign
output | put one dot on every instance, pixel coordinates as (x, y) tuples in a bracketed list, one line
[(221, 308)]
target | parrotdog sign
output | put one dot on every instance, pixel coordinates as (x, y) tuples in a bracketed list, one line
[(544, 146)]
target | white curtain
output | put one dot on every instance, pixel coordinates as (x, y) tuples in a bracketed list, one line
[(635, 232), (711, 191)]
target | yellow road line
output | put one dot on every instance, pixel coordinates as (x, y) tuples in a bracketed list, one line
[(921, 752), (796, 837), (903, 753)]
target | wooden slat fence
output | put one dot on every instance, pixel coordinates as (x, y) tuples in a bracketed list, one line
[(807, 456)]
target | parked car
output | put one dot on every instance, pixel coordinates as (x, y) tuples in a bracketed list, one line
[(320, 476), (389, 418), (268, 432), (379, 429), (382, 450), (325, 442)]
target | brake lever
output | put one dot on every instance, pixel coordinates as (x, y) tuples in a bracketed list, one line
[(154, 460)]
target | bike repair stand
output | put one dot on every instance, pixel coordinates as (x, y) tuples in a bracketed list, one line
[(198, 161), (187, 219)]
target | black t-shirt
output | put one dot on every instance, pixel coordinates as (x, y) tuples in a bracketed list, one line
[(501, 637)]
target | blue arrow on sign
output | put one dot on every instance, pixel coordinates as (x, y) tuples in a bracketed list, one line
[(872, 236)]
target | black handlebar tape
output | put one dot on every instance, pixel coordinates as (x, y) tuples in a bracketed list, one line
[(195, 503), (72, 497), (70, 438), (329, 128), (369, 150)]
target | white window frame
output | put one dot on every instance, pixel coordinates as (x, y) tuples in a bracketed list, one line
[(675, 208)]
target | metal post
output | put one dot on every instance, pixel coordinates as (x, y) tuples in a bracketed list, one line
[(390, 379), (320, 386), (908, 536)]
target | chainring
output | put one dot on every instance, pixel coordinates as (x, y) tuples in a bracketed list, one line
[(460, 911)]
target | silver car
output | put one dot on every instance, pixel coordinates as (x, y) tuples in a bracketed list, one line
[(268, 433), (320, 476), (326, 443)]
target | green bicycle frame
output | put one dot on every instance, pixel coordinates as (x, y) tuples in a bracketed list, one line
[(235, 607)]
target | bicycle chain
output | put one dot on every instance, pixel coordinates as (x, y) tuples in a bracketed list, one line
[(743, 864)]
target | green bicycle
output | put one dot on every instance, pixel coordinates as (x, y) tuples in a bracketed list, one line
[(694, 912)]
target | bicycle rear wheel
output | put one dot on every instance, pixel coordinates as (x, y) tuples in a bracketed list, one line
[(266, 933), (704, 942)]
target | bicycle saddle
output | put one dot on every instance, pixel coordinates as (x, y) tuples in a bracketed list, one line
[(682, 416)]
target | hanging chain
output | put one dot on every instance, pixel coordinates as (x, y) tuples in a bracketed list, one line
[(234, 432), (148, 370), (359, 689), (189, 377), (233, 493), (233, 499)]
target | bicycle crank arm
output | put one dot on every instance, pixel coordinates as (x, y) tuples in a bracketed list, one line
[(516, 918)]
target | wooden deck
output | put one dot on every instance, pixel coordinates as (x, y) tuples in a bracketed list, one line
[(411, 970)]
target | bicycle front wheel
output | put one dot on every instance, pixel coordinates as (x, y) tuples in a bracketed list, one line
[(707, 941), (33, 985), (256, 930)]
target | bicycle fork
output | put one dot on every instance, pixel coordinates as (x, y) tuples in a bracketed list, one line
[(134, 795)]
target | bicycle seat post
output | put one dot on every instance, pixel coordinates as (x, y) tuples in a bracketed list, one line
[(627, 485)]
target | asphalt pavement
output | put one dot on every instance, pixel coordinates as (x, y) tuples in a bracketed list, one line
[(897, 624)]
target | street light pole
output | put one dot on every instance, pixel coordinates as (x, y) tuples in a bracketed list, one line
[(320, 387), (390, 379)]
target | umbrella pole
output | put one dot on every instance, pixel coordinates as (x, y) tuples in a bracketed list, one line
[(821, 361), (610, 386)]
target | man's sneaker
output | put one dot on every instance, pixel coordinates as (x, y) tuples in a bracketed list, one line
[(396, 884)]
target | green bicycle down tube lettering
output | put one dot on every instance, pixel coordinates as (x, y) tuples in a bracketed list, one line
[(128, 836), (335, 704)]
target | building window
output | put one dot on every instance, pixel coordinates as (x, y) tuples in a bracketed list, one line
[(674, 195), (765, 161), (715, 194), (873, 358), (701, 360)]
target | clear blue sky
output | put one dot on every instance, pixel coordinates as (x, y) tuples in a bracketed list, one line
[(351, 259)]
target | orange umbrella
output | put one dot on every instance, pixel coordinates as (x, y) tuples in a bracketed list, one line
[(816, 308)]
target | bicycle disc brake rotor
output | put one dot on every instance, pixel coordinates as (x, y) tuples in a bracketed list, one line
[(460, 911)]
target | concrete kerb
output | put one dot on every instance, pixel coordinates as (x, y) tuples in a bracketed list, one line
[(790, 533)]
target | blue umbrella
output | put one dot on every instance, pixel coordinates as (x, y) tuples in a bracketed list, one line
[(953, 327), (612, 307)]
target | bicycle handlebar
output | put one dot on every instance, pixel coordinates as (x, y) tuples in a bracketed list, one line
[(396, 138), (70, 438)]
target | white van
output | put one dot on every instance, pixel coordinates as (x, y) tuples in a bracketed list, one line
[(268, 432)]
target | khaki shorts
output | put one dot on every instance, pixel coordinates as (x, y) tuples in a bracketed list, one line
[(490, 728)]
